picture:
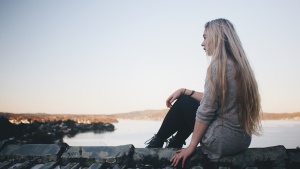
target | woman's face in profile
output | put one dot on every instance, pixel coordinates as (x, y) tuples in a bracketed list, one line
[(204, 43)]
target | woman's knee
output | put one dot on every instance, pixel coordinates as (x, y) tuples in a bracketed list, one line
[(186, 100)]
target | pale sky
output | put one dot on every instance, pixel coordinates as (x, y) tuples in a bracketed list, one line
[(104, 57)]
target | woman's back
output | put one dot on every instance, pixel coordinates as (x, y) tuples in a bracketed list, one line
[(225, 134)]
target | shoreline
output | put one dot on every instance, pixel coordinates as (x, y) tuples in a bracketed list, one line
[(153, 115)]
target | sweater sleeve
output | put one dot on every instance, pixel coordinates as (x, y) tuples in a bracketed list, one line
[(207, 111)]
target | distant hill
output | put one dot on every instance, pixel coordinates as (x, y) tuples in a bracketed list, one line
[(142, 115), (160, 114), (281, 116), (135, 115)]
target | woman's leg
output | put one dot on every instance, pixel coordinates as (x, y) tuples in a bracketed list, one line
[(188, 107), (180, 119)]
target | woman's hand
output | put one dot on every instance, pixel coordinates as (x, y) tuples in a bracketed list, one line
[(173, 97), (181, 155), (199, 130)]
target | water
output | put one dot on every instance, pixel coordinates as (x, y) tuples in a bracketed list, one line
[(136, 132)]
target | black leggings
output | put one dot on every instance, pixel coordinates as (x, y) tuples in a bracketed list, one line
[(180, 118)]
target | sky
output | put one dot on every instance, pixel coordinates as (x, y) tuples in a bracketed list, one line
[(105, 57)]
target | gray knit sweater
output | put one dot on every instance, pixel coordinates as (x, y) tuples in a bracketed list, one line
[(224, 135)]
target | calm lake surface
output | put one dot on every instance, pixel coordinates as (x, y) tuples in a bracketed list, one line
[(136, 132)]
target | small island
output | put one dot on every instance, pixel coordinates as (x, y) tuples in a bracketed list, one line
[(48, 132)]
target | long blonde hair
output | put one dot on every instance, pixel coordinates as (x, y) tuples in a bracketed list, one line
[(223, 43)]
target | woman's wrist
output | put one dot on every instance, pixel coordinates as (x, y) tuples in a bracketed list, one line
[(192, 146), (192, 93), (187, 92)]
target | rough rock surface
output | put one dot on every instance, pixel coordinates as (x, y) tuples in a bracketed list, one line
[(54, 156)]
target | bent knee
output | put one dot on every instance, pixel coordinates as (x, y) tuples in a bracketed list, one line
[(184, 100)]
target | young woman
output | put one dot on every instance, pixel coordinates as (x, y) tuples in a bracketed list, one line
[(227, 113)]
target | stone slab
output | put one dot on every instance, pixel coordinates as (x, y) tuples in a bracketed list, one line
[(152, 157), (268, 157), (117, 166), (95, 166), (71, 166), (51, 156), (4, 143), (41, 153), (157, 157), (294, 158), (49, 165), (25, 165), (108, 155), (5, 164)]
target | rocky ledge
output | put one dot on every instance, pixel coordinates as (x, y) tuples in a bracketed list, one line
[(62, 156)]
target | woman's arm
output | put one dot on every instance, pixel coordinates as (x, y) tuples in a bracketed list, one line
[(199, 130), (197, 96)]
